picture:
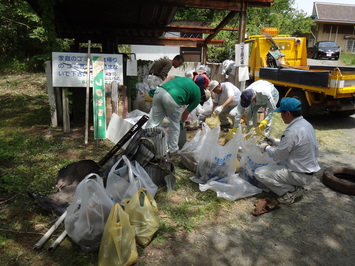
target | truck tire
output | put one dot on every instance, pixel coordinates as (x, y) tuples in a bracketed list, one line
[(300, 95), (340, 179)]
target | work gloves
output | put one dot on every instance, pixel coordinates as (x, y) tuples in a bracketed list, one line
[(272, 141), (218, 110), (263, 124), (262, 147)]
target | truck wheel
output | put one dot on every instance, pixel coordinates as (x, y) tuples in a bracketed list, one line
[(299, 95), (340, 179)]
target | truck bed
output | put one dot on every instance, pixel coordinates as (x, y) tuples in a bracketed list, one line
[(317, 78)]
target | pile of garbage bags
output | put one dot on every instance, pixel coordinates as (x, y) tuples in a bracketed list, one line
[(227, 169)]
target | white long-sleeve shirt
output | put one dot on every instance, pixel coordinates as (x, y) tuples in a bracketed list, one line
[(266, 96), (298, 147)]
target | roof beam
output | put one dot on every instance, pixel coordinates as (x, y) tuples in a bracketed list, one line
[(231, 5), (192, 29), (171, 41), (220, 26)]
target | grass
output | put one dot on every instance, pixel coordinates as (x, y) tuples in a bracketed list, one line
[(32, 152), (348, 59)]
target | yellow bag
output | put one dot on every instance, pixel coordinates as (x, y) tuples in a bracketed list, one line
[(118, 244), (229, 136), (143, 215), (213, 121)]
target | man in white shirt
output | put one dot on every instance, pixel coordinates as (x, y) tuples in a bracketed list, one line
[(295, 154), (226, 98)]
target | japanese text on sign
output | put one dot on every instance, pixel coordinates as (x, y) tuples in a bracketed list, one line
[(70, 69)]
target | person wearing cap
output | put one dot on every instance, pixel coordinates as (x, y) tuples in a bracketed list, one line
[(160, 69), (226, 99), (168, 99), (295, 155), (259, 94), (201, 79)]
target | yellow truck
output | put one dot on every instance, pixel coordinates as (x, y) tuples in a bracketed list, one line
[(282, 60)]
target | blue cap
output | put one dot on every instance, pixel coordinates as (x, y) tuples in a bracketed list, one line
[(246, 97), (289, 104)]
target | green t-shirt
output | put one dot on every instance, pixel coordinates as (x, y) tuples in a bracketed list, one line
[(184, 91)]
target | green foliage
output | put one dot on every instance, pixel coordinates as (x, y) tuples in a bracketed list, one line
[(348, 58), (281, 15), (26, 40)]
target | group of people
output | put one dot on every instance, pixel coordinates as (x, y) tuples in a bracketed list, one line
[(295, 153)]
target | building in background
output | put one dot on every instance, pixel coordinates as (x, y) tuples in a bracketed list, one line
[(334, 22)]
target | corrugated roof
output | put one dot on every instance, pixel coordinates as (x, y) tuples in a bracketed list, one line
[(332, 12)]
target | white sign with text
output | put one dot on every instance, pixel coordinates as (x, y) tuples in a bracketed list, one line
[(70, 69)]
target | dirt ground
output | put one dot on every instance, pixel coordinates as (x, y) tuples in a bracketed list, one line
[(318, 230)]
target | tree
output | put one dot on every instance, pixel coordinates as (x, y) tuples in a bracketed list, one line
[(281, 15), (26, 40)]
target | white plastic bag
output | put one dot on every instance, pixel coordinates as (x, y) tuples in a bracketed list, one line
[(251, 159), (216, 161), (126, 178), (88, 212), (190, 152), (231, 188)]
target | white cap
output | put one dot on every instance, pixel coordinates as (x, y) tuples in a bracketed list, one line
[(213, 84)]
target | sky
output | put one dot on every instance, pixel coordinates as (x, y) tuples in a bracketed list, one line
[(307, 5)]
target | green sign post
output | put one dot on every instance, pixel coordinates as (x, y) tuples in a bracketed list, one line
[(99, 103)]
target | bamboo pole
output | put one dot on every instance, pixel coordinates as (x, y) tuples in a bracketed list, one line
[(87, 95)]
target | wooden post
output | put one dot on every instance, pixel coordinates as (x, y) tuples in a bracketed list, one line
[(66, 117), (51, 95), (87, 95)]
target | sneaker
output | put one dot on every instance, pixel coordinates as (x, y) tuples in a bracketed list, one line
[(290, 197)]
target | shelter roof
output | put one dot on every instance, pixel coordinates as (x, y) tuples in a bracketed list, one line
[(136, 21)]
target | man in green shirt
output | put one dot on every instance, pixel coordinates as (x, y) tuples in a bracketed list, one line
[(173, 93)]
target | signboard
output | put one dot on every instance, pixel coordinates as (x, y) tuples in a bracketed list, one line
[(242, 60), (99, 103), (242, 54), (69, 69)]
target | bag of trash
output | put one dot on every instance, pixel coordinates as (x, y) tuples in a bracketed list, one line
[(213, 121), (143, 100), (251, 159), (216, 161), (126, 178), (118, 244), (143, 215), (231, 188), (88, 212), (190, 152)]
